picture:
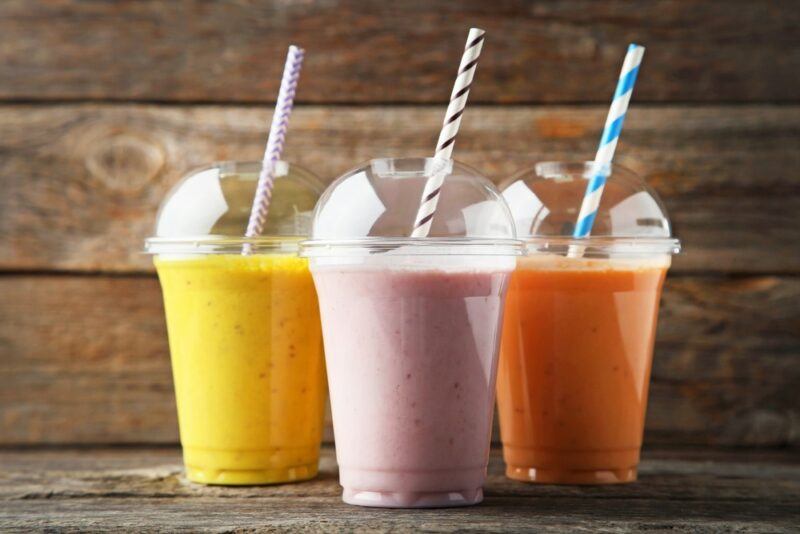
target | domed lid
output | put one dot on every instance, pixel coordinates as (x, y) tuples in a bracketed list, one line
[(545, 202), (208, 210), (373, 207)]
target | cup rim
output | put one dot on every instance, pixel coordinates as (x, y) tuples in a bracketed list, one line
[(413, 246), (607, 245), (220, 244)]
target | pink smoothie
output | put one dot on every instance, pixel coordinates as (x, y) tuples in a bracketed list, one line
[(411, 357)]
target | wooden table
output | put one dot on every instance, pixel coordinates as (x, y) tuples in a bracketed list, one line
[(143, 489)]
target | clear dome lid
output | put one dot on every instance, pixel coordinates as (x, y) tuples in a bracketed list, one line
[(545, 202), (208, 210), (374, 207)]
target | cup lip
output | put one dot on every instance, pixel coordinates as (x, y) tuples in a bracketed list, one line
[(220, 244), (607, 245), (413, 246)]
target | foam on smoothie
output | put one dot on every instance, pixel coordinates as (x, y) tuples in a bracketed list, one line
[(409, 258), (548, 262)]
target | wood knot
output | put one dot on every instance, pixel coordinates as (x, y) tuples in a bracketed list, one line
[(125, 161)]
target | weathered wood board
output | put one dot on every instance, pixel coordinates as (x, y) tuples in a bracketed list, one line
[(81, 183), (105, 105), (143, 490), (390, 52), (85, 360)]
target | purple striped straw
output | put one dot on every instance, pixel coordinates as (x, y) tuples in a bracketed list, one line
[(275, 142)]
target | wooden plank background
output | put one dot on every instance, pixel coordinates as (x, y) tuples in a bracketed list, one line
[(362, 51), (104, 105)]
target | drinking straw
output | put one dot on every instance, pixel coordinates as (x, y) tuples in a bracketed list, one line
[(447, 137), (608, 142), (275, 142)]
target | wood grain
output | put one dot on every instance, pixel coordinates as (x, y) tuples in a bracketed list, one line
[(143, 489), (391, 52), (81, 183), (84, 360)]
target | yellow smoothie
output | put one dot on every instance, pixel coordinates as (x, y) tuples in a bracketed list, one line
[(246, 345)]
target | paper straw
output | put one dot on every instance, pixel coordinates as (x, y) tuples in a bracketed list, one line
[(275, 142), (608, 142), (447, 137)]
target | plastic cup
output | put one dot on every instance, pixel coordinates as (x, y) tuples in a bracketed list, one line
[(244, 331), (579, 330), (411, 330)]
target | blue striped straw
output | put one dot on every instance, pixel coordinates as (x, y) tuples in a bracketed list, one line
[(608, 143)]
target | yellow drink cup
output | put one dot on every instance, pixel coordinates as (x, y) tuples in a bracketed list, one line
[(244, 334), (247, 362)]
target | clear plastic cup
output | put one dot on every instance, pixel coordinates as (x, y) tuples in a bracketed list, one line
[(580, 326), (411, 329), (244, 331)]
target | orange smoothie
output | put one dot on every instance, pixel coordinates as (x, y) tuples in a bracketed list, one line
[(575, 367)]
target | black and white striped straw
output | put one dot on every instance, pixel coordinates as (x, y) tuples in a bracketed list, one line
[(447, 137)]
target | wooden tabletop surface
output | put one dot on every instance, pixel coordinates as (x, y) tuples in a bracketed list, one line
[(143, 489)]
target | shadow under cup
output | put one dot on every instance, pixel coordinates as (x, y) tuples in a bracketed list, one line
[(580, 324)]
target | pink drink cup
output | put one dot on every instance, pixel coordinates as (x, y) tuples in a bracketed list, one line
[(411, 358)]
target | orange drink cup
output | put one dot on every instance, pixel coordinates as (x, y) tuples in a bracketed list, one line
[(580, 327)]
